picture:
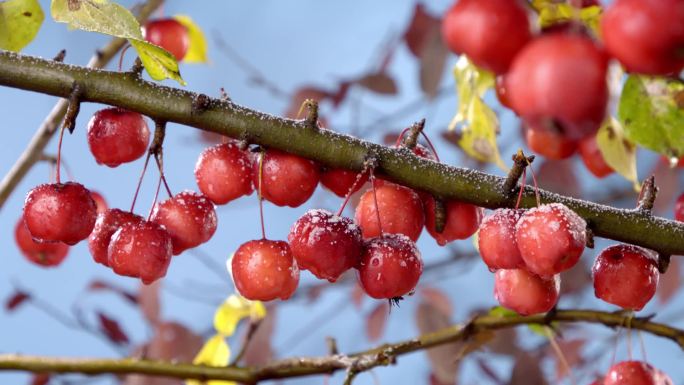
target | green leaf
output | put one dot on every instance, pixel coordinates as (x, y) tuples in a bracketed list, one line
[(197, 49), (114, 20), (652, 114), (20, 21), (502, 312), (618, 152)]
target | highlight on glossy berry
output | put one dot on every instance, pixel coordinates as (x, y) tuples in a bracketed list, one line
[(117, 136), (224, 172)]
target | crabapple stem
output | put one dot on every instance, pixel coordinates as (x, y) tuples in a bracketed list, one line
[(559, 352), (156, 196), (522, 187), (259, 195), (122, 54), (142, 175), (432, 147), (534, 180), (410, 140), (160, 165), (359, 178), (59, 154), (520, 163)]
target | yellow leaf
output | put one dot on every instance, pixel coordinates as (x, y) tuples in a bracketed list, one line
[(471, 82), (618, 152), (233, 310), (551, 12), (215, 352), (197, 50), (478, 139), (114, 20), (20, 21)]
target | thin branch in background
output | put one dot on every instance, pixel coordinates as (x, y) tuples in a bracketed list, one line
[(252, 328), (218, 269)]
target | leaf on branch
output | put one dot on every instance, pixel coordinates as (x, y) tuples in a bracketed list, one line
[(380, 83), (438, 299), (478, 122), (233, 310), (433, 59), (112, 19), (197, 47), (651, 115), (112, 329), (15, 300), (376, 321), (444, 359), (420, 27), (526, 371), (215, 352), (20, 21), (148, 301), (98, 285), (618, 152), (552, 12)]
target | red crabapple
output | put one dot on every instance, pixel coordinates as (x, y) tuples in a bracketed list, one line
[(45, 254), (60, 212), (679, 209), (141, 250), (287, 179), (626, 276), (548, 91), (106, 225), (189, 218), (340, 181), (117, 136), (635, 373), (265, 270), (169, 34), (100, 202), (489, 32), (462, 220), (550, 238), (390, 266), (401, 211), (496, 240), (593, 158), (524, 292), (550, 144), (224, 172)]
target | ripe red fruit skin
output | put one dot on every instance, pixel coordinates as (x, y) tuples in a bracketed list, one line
[(141, 250), (679, 209), (496, 240), (224, 173), (524, 292), (593, 159), (100, 202), (548, 90), (287, 180), (502, 91), (550, 144), (646, 36), (401, 211), (60, 212), (462, 220), (106, 225), (550, 238), (47, 254), (390, 266), (489, 32), (170, 35), (265, 270), (635, 373), (340, 181), (117, 136), (626, 276), (189, 218), (325, 244)]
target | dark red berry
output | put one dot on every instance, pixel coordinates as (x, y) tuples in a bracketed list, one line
[(340, 181), (526, 293), (224, 172), (496, 240), (117, 136), (401, 211), (106, 225), (170, 35), (46, 254), (390, 266), (635, 373), (462, 220), (550, 144), (141, 250), (265, 270), (679, 209), (287, 179), (593, 158)]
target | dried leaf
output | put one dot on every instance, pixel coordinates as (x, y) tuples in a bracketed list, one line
[(380, 83), (433, 59), (260, 349), (112, 329), (98, 285), (667, 179), (357, 296), (40, 379), (438, 299), (526, 371), (444, 359), (148, 300), (572, 351), (670, 282), (420, 27), (15, 300), (376, 321)]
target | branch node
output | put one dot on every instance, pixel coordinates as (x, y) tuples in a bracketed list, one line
[(73, 108), (137, 68), (589, 237), (440, 215), (663, 263), (312, 116), (648, 194), (200, 103), (60, 56), (224, 95), (410, 140), (520, 162), (332, 346), (156, 148)]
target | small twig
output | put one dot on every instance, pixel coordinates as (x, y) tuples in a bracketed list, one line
[(520, 162), (331, 342), (589, 237), (410, 140), (251, 330), (224, 95), (349, 377), (157, 146), (73, 109), (663, 263), (60, 56), (200, 103), (137, 68), (648, 194), (312, 115)]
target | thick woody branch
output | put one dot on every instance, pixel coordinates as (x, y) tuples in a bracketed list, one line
[(34, 149), (329, 148), (358, 362)]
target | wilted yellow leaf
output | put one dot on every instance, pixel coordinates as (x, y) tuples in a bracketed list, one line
[(618, 152), (20, 21), (233, 310), (551, 12), (215, 352), (197, 50)]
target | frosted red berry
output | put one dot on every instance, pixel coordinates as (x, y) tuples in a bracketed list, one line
[(141, 250), (550, 238), (287, 179), (626, 276), (106, 225), (635, 373), (117, 136), (265, 270), (169, 34), (593, 158), (401, 211), (462, 220), (224, 172), (679, 209), (340, 181), (390, 266), (496, 240), (325, 244), (489, 32), (60, 212), (47, 254), (526, 293), (189, 218)]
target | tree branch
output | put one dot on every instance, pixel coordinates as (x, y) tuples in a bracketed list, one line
[(36, 146), (357, 362), (329, 148)]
